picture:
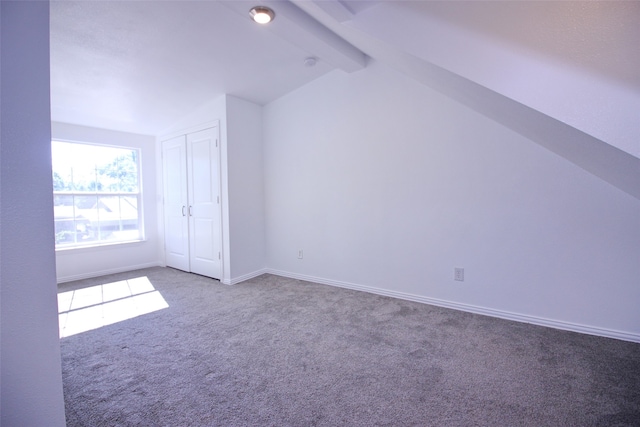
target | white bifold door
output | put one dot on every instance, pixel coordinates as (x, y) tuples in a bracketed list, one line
[(193, 219)]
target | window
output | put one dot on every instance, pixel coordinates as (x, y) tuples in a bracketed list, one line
[(96, 193)]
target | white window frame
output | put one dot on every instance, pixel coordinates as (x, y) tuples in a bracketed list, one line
[(138, 195)]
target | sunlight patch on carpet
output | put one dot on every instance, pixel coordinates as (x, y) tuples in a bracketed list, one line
[(97, 306)]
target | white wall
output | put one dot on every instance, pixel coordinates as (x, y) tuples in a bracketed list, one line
[(31, 377), (242, 181), (246, 188), (387, 186), (73, 264)]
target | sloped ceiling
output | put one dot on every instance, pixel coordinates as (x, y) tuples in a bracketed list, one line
[(564, 74), (577, 62)]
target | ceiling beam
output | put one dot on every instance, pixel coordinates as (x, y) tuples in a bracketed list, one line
[(334, 8)]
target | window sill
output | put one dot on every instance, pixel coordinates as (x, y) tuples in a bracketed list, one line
[(101, 246)]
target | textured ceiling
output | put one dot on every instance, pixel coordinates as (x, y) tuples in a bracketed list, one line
[(138, 66), (565, 74)]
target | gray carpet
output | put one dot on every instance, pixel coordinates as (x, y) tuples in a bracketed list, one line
[(281, 352)]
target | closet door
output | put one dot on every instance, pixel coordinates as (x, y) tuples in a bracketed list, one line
[(176, 221), (205, 223)]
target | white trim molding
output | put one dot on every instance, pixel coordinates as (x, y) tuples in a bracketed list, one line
[(540, 321), (236, 280)]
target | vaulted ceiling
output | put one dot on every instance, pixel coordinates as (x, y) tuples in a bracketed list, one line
[(564, 74)]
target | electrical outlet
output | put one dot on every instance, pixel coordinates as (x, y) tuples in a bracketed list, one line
[(458, 274), (300, 254)]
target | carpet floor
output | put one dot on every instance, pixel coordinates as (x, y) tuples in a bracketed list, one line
[(274, 351)]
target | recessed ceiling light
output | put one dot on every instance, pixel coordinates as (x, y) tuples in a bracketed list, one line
[(262, 14)]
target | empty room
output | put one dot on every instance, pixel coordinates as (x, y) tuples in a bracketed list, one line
[(320, 212)]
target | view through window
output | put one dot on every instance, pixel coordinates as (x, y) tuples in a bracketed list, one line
[(96, 192)]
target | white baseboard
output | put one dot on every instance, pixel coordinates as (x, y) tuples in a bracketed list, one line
[(567, 326), (236, 280), (108, 271)]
